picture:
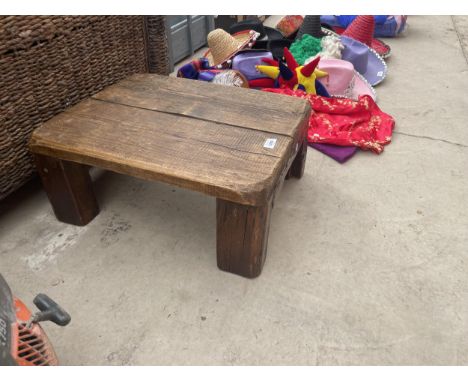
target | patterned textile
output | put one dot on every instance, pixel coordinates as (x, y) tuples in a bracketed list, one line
[(345, 122), (289, 25)]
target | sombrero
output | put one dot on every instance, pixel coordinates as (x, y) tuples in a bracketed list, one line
[(312, 26), (230, 78), (246, 61), (265, 33), (343, 80), (362, 29), (365, 60), (222, 45), (385, 26)]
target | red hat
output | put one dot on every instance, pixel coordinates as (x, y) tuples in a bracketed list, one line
[(362, 30)]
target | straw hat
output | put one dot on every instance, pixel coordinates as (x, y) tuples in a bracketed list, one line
[(222, 45), (230, 78), (362, 29)]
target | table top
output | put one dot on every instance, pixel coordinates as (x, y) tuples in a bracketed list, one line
[(231, 143)]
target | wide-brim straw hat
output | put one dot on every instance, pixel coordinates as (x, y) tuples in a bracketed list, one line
[(362, 29), (223, 46), (230, 78)]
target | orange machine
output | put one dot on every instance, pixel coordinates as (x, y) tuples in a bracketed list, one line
[(23, 342)]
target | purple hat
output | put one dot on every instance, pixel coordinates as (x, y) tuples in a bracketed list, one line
[(365, 60), (246, 61)]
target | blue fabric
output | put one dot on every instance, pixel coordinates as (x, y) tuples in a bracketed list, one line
[(196, 70), (379, 20), (206, 76), (320, 89), (204, 63), (286, 73), (345, 20), (188, 71)]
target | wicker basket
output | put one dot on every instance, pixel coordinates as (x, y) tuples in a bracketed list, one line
[(48, 63)]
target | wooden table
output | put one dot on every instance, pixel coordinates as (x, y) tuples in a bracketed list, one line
[(235, 144)]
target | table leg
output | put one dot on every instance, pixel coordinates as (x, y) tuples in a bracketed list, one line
[(69, 188), (242, 237), (298, 165)]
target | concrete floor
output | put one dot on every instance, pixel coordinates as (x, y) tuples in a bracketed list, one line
[(367, 261)]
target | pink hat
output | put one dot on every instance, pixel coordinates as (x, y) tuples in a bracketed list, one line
[(343, 80)]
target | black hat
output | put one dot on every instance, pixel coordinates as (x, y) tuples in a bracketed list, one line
[(257, 26), (311, 26), (276, 47)]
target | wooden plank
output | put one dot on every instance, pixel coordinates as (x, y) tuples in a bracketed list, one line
[(69, 189), (205, 91), (223, 104), (219, 160), (242, 237), (156, 124)]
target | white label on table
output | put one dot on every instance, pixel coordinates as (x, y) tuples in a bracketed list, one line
[(270, 143)]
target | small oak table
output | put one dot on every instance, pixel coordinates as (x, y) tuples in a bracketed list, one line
[(235, 144)]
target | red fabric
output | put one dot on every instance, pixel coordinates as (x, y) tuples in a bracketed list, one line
[(262, 83), (345, 122)]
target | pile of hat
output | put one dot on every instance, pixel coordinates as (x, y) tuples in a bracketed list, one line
[(310, 57), (385, 26)]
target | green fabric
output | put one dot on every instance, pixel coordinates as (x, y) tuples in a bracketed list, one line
[(305, 48)]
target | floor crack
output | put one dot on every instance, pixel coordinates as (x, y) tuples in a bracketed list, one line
[(430, 138), (459, 39)]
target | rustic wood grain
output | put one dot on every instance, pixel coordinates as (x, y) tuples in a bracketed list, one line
[(242, 237), (218, 159), (222, 161), (228, 105), (69, 189)]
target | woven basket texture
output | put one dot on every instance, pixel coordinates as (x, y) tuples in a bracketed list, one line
[(48, 63)]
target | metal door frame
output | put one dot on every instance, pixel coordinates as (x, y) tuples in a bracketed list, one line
[(209, 21)]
